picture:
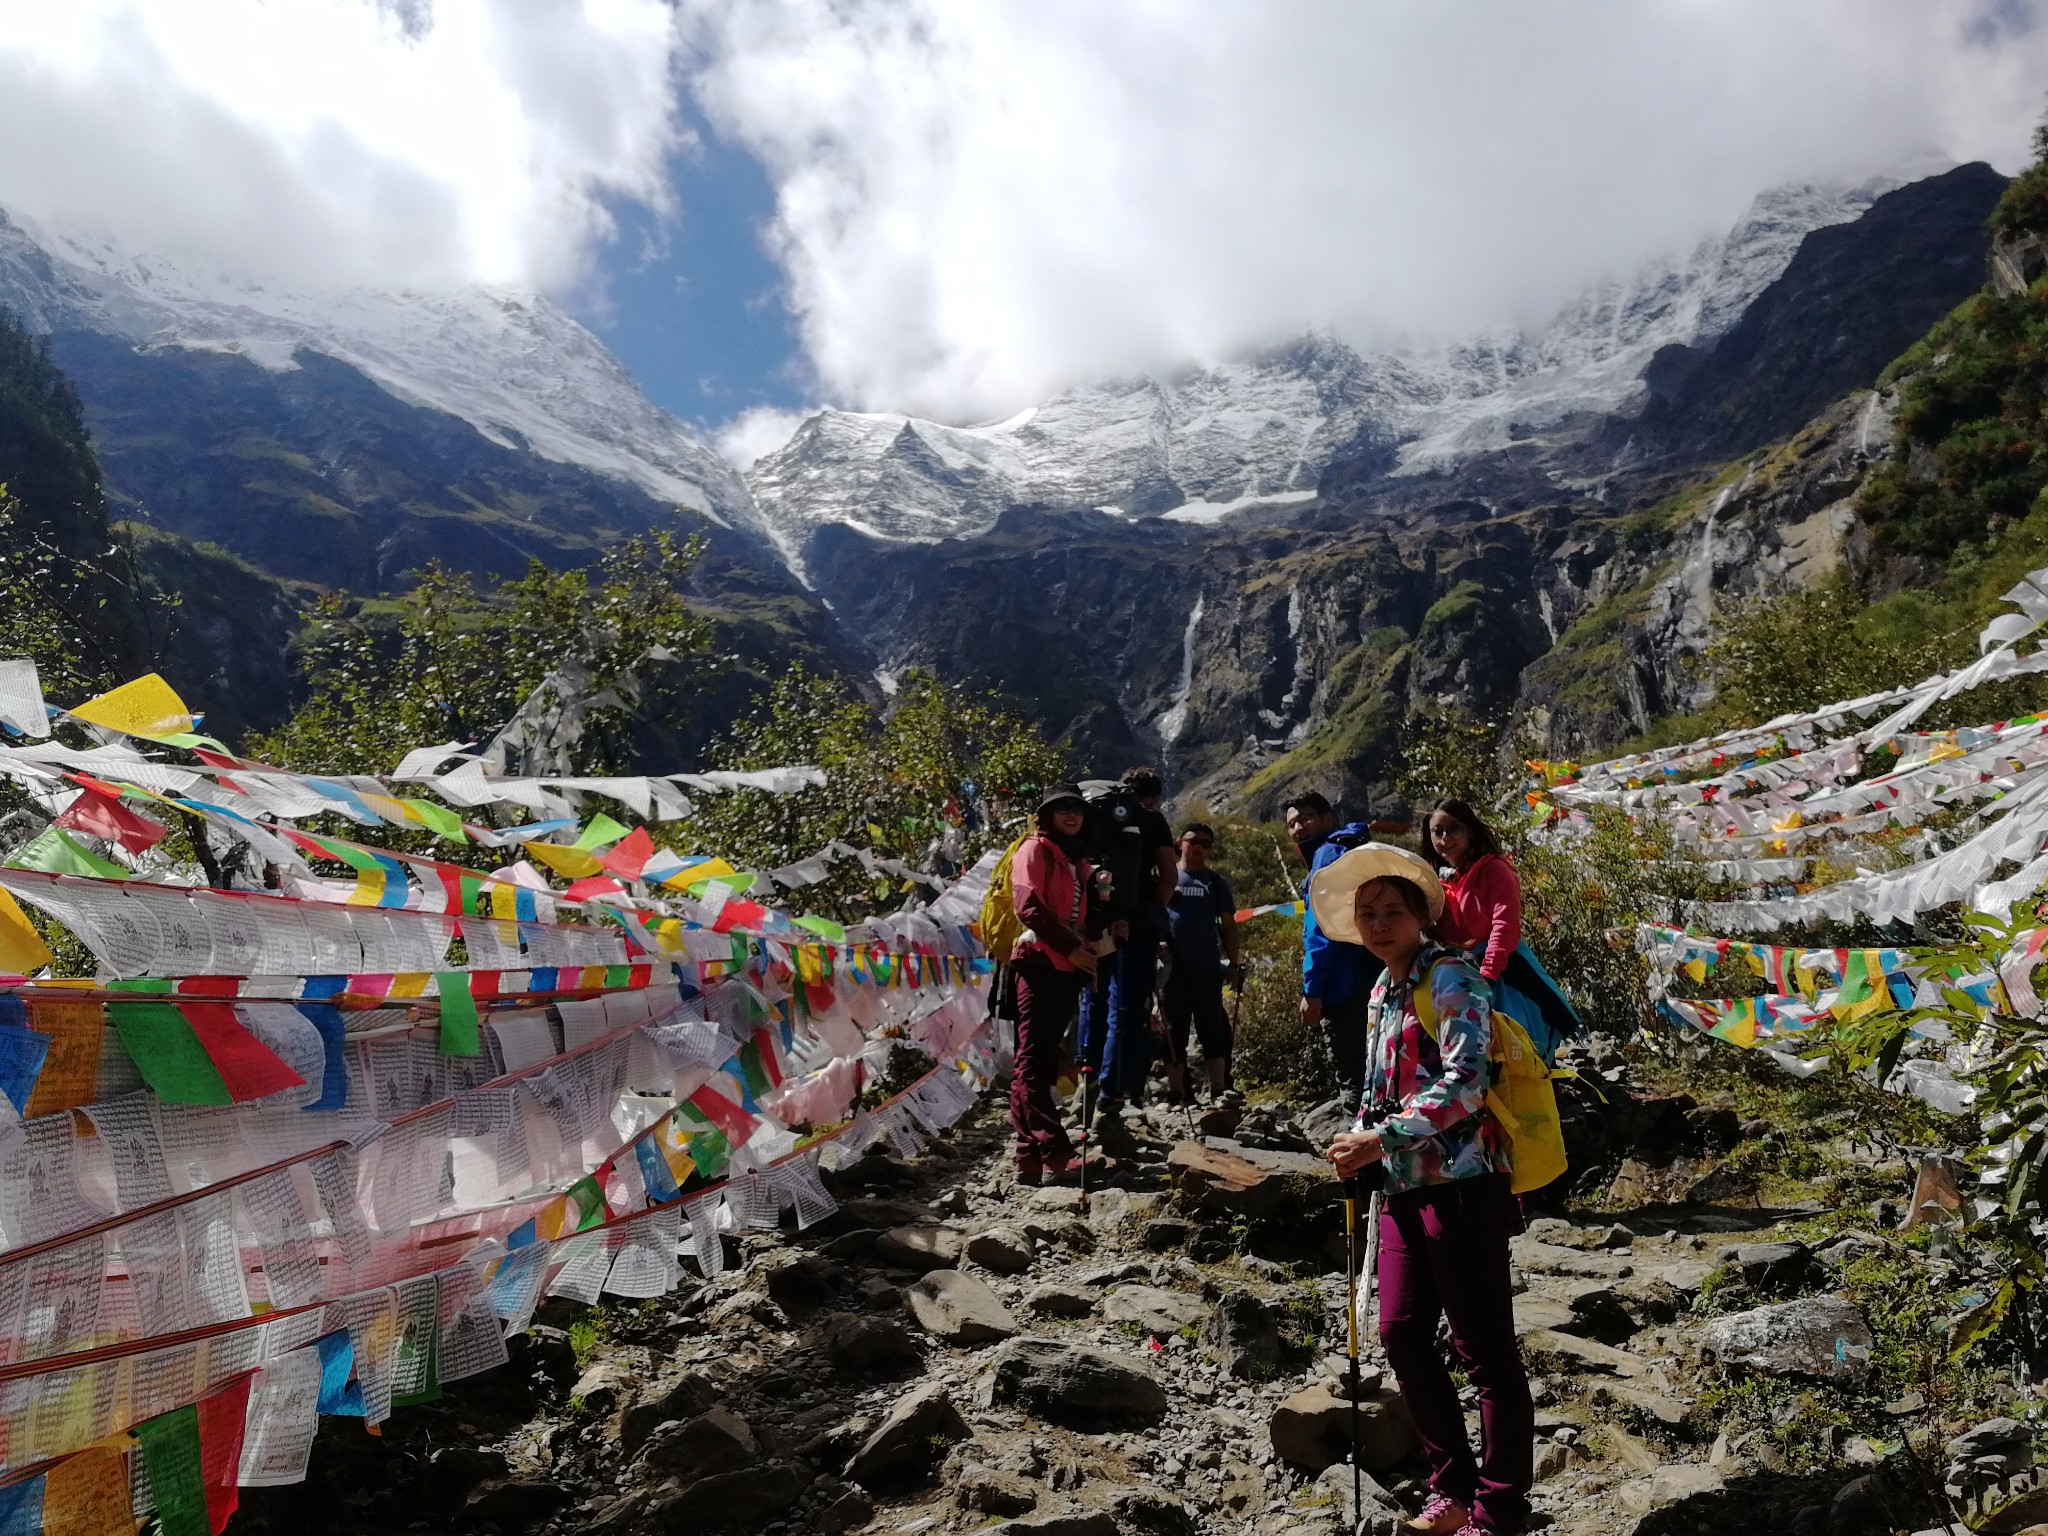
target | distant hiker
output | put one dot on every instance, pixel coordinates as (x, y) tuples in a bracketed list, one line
[(1335, 979), (1129, 838), (1203, 916), (1483, 914), (1052, 962), (1448, 1213)]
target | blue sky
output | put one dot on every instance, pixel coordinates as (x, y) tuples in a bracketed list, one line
[(693, 305)]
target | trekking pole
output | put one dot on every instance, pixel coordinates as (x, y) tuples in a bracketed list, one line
[(1351, 1339), (1086, 1102)]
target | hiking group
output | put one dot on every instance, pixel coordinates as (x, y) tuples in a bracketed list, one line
[(1440, 1027)]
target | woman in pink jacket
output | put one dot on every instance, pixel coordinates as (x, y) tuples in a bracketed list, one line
[(1053, 961), (1482, 892)]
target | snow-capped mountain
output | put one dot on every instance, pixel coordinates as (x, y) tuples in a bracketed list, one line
[(511, 364), (1195, 446)]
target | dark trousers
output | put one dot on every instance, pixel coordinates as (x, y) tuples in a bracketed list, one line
[(1116, 1022), (1444, 1253), (1195, 996), (1045, 1006), (1346, 1029)]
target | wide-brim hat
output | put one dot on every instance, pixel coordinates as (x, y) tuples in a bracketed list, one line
[(1334, 889), (1061, 794)]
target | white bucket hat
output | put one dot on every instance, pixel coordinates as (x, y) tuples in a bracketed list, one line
[(1334, 889)]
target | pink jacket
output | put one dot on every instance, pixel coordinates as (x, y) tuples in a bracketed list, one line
[(1049, 891), (1483, 912)]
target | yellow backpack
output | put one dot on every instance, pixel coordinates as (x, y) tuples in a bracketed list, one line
[(1521, 1098), (1001, 928)]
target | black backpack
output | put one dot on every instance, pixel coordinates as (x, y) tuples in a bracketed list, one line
[(1116, 842)]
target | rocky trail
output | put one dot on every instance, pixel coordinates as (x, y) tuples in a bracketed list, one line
[(950, 1352)]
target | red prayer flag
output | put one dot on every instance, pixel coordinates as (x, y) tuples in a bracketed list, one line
[(222, 1418), (630, 856), (102, 815), (730, 1119), (248, 1068)]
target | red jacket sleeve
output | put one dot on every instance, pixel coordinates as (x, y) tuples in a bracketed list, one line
[(1497, 894), (1030, 884)]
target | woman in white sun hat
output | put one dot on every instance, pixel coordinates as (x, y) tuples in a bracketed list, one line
[(1449, 1211)]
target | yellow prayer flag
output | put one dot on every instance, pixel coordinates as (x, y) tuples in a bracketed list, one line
[(707, 869), (146, 707), (21, 948), (87, 1495), (576, 863)]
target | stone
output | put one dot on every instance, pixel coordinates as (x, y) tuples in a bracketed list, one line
[(1672, 1485), (1552, 1460), (1774, 1268), (988, 1492), (1070, 1384), (1568, 1353), (717, 1440), (870, 1344), (906, 1448), (514, 1502), (681, 1397), (857, 1244), (1061, 1301), (958, 1308), (1650, 1299), (1863, 1504), (1076, 1522), (1312, 1429), (1158, 1312), (1243, 1335), (546, 1353), (921, 1248), (1597, 1313), (1539, 1258), (1166, 1233), (1994, 1437), (2017, 1515), (845, 1513), (800, 1282), (1002, 1249), (1210, 1178), (455, 1469), (1377, 1509), (1722, 1184), (1668, 1411), (742, 1501), (1113, 1274), (602, 1385), (1820, 1336)]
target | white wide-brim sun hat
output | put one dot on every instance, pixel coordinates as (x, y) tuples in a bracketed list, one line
[(1334, 889)]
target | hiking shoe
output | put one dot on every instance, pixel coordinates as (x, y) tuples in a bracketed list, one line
[(1029, 1173), (1443, 1516)]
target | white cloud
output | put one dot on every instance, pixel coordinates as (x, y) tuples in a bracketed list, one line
[(334, 141), (978, 203), (756, 433)]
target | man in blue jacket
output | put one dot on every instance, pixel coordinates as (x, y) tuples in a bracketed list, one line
[(1336, 979)]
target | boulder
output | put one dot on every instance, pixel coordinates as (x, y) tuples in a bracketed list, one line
[(1067, 1383), (1774, 1268), (455, 1469), (1236, 1180), (1061, 1301), (717, 1440), (679, 1398), (1167, 1232), (849, 1511), (1534, 1257), (1073, 1522), (958, 1309), (1671, 1486), (1154, 1512), (1312, 1429), (1820, 1336), (858, 1343), (907, 1447), (1155, 1311), (985, 1491), (921, 1248), (1002, 1249), (800, 1282), (1377, 1511), (1567, 1353), (602, 1385), (514, 1503), (744, 1500), (1598, 1313), (1243, 1335)]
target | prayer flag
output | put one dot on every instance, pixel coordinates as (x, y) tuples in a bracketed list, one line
[(22, 1052), (22, 949), (601, 833), (70, 1074), (458, 1014), (54, 853), (146, 707), (629, 857), (103, 815), (199, 1053)]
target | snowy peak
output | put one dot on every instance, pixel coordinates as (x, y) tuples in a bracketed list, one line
[(511, 364), (1260, 431)]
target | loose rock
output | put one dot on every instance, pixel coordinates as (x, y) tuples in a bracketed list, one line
[(1061, 1301), (1158, 1312), (1002, 1249), (1821, 1336), (920, 1248), (1243, 1335), (907, 1448), (1067, 1383), (1313, 1429), (732, 1501), (958, 1309)]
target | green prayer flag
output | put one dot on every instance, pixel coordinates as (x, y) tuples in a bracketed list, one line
[(55, 852), (824, 928), (458, 1014), (168, 1054), (617, 975), (589, 1202), (177, 1481), (601, 833), (438, 819)]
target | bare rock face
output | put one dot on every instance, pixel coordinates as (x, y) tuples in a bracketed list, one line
[(958, 1309), (1070, 1384), (1820, 1336)]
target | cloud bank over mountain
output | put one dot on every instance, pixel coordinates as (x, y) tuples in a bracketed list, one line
[(979, 204)]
